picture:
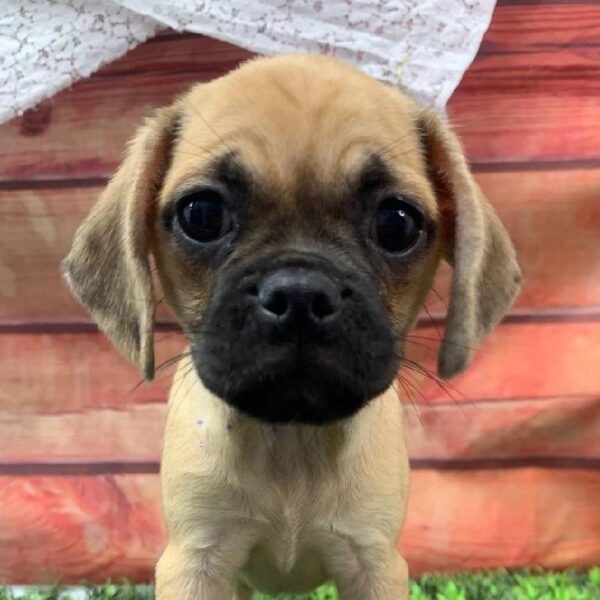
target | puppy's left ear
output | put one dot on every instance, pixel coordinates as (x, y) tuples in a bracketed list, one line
[(486, 276), (108, 267)]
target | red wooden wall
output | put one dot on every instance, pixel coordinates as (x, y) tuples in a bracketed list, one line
[(506, 460)]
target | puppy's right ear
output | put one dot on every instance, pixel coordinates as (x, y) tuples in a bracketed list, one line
[(108, 267), (486, 276)]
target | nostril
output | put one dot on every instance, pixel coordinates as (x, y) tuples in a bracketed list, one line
[(277, 303), (346, 293), (252, 290), (322, 306)]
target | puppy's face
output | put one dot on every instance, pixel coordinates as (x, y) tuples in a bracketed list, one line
[(296, 240), (291, 211)]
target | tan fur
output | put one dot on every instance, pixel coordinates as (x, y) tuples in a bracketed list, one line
[(281, 511), (486, 275), (286, 510)]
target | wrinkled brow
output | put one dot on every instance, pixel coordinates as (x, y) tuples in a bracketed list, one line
[(373, 175), (229, 171), (376, 176)]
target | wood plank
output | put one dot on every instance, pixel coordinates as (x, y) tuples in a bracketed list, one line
[(57, 373), (54, 373), (531, 95), (94, 528), (554, 428), (513, 518), (127, 434), (502, 429), (526, 360), (529, 26), (554, 220), (553, 216), (506, 115), (36, 231), (82, 132), (79, 528)]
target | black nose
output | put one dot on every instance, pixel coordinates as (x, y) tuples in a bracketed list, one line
[(296, 298)]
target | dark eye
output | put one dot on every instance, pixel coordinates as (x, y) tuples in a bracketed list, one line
[(203, 216), (398, 226)]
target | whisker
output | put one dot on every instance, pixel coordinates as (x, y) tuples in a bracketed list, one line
[(443, 385), (421, 345), (424, 337), (402, 382), (432, 321), (196, 154), (158, 369), (173, 392), (205, 121), (439, 298), (173, 360), (395, 142), (415, 386), (167, 336)]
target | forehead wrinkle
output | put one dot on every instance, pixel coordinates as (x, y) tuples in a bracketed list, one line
[(288, 125), (302, 177), (305, 125), (289, 159)]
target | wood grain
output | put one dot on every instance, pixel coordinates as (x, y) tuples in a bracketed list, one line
[(553, 216), (89, 124), (94, 528), (526, 360), (529, 26), (127, 434), (513, 518), (525, 128), (531, 95), (79, 528), (55, 373), (528, 111), (554, 220), (36, 231), (543, 427), (132, 434)]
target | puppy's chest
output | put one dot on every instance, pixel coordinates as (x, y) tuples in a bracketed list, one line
[(295, 500), (295, 511), (293, 521)]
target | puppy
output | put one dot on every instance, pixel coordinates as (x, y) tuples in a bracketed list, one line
[(296, 211)]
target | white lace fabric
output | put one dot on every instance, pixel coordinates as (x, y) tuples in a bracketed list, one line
[(423, 45)]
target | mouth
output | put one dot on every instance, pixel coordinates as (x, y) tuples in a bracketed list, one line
[(291, 383), (296, 385), (300, 344)]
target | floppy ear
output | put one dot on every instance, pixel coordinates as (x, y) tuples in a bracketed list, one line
[(107, 268), (486, 276)]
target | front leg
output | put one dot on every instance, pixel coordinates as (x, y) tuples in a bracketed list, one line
[(371, 574), (193, 574)]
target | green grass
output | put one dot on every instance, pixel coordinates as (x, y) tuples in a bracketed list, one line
[(497, 585)]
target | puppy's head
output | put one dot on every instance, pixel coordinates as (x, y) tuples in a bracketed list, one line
[(296, 210)]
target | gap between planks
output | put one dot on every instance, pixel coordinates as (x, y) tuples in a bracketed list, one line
[(585, 314), (517, 166), (91, 468)]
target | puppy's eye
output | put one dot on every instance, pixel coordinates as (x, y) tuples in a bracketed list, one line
[(398, 226), (203, 216)]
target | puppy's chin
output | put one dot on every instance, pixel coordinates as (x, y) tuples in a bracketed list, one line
[(296, 397), (297, 387)]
